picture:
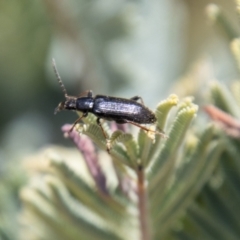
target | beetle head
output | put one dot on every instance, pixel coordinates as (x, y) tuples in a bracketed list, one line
[(68, 104)]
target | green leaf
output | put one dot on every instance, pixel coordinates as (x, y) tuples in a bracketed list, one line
[(223, 99), (170, 148)]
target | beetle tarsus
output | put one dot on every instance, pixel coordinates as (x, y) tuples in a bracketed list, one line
[(108, 145)]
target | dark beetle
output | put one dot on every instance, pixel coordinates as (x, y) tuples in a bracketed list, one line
[(120, 110)]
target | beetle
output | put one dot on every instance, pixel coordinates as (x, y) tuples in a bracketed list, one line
[(120, 110)]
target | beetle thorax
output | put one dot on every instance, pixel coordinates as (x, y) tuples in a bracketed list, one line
[(84, 104)]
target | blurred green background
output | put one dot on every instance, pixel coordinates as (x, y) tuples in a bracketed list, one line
[(122, 48)]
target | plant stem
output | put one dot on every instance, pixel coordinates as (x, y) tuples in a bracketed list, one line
[(142, 205)]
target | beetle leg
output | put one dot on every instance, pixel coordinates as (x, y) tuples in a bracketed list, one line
[(100, 125), (74, 124), (146, 129), (105, 135), (136, 98)]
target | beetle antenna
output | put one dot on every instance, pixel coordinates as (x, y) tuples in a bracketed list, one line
[(59, 78)]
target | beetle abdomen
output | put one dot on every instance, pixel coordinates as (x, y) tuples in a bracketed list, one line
[(120, 109)]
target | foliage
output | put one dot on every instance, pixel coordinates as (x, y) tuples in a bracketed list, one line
[(163, 176), (185, 186)]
